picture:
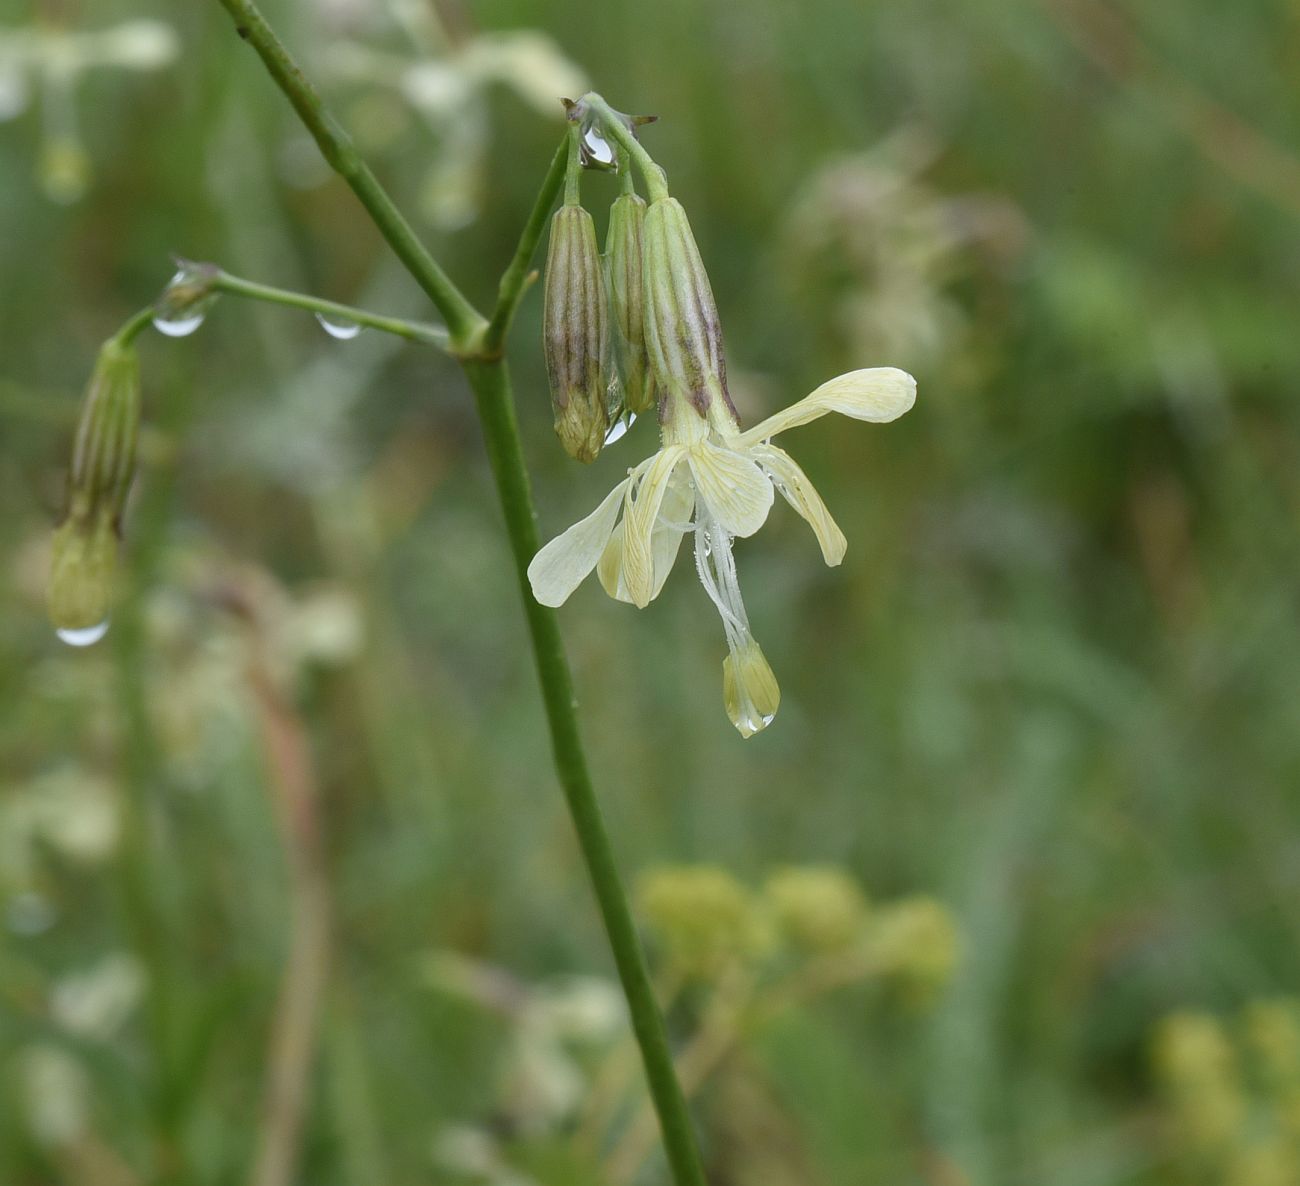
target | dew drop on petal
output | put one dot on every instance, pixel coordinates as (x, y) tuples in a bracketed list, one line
[(87, 635), (342, 328)]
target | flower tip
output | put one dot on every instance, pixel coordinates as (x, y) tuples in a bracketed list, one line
[(880, 394), (749, 689)]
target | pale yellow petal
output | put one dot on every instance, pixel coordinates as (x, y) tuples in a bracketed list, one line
[(639, 524), (736, 491), (749, 688), (801, 494), (878, 394), (665, 541), (563, 564)]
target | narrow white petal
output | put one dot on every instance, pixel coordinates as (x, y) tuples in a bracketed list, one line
[(749, 689), (735, 489), (877, 394), (639, 524), (801, 494), (665, 541), (563, 564)]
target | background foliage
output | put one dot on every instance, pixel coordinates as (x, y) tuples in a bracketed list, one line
[(1053, 685)]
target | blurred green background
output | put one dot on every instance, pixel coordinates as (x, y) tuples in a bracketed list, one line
[(1052, 687)]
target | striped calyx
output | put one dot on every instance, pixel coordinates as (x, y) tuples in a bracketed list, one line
[(574, 333), (624, 259), (99, 480), (682, 331)]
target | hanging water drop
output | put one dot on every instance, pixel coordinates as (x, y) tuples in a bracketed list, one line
[(342, 328), (178, 325), (618, 430), (185, 301), (86, 636)]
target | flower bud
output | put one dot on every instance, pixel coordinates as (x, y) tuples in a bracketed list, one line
[(103, 464), (682, 331), (624, 259), (573, 320)]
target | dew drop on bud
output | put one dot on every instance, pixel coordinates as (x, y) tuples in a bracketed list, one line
[(185, 301), (342, 328), (87, 636)]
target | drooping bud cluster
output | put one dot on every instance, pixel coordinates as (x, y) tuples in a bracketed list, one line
[(103, 465), (682, 330), (624, 260), (574, 321)]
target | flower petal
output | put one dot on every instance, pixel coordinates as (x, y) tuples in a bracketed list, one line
[(563, 564), (665, 541), (801, 494), (735, 489), (639, 523), (878, 394)]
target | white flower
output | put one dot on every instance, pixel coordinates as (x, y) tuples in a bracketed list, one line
[(718, 482)]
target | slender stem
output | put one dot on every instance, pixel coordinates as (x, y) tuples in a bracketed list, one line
[(463, 320), (133, 325), (514, 281), (432, 335), (573, 169), (491, 385), (489, 379), (614, 128)]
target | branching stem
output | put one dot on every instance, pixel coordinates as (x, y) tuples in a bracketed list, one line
[(429, 335), (477, 342)]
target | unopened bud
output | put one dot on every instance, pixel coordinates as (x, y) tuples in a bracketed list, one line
[(624, 259), (682, 331), (103, 465), (574, 333)]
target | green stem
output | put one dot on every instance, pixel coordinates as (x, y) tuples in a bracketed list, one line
[(431, 335), (614, 128), (134, 325), (491, 385), (515, 279), (463, 321), (573, 169), (486, 371)]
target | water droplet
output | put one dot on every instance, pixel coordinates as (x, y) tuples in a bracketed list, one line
[(598, 148), (29, 913), (343, 328), (618, 430), (185, 302), (178, 326), (87, 636)]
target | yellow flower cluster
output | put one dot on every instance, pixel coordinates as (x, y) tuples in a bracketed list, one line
[(1231, 1094)]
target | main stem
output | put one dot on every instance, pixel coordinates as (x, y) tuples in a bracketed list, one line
[(490, 382), (489, 379)]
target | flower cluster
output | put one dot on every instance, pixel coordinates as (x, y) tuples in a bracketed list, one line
[(710, 479)]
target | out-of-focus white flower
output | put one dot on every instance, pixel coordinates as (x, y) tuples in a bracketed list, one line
[(69, 809), (56, 1095), (95, 1003)]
